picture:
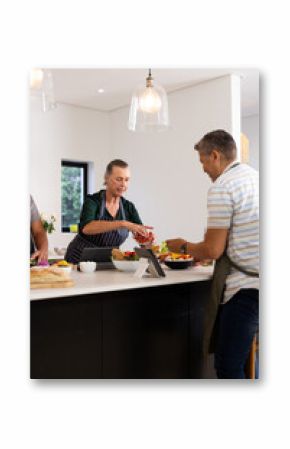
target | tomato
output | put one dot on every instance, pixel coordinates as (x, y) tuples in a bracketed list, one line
[(142, 239), (185, 256)]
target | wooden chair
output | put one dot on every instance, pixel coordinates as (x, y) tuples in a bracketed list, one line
[(251, 362)]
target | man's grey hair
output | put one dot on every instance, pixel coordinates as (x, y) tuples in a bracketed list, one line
[(219, 140)]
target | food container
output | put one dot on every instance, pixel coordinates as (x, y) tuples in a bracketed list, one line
[(126, 265), (63, 265), (178, 264), (87, 267), (66, 269)]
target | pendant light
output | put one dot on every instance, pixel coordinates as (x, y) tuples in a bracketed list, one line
[(149, 108), (41, 85)]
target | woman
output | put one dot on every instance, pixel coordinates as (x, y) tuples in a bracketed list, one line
[(107, 217)]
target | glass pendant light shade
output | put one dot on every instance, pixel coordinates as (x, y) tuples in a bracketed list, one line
[(36, 79), (41, 85), (149, 108)]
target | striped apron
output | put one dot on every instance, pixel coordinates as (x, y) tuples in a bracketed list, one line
[(106, 239)]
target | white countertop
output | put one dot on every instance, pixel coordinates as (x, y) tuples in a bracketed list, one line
[(112, 280)]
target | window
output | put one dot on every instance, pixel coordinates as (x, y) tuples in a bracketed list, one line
[(74, 188)]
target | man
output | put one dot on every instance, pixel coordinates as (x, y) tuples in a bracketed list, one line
[(233, 227), (38, 236)]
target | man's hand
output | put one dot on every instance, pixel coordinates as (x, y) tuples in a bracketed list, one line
[(40, 255), (175, 245), (212, 247)]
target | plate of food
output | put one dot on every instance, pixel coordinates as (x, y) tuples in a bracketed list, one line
[(62, 265)]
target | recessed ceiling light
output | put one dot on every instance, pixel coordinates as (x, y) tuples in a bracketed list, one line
[(101, 91)]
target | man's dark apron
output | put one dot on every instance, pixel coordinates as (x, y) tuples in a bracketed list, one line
[(221, 271), (112, 239)]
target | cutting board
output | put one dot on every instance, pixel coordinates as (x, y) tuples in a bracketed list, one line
[(60, 284)]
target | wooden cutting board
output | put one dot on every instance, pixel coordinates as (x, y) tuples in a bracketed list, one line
[(60, 284)]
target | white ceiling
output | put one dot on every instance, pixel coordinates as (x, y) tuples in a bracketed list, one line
[(80, 86)]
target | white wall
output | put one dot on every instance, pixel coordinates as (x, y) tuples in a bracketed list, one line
[(250, 127), (67, 132), (168, 185)]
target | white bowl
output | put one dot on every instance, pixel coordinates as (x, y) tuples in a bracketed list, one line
[(88, 267), (126, 265), (65, 269), (60, 251)]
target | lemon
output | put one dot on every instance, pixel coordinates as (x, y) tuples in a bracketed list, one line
[(62, 263)]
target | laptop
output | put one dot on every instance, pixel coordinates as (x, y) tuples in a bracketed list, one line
[(102, 257)]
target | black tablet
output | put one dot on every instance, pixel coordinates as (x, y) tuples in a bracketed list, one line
[(154, 266), (102, 256)]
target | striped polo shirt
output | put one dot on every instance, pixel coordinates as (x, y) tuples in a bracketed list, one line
[(233, 203)]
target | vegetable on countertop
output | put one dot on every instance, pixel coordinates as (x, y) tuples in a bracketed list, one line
[(43, 263)]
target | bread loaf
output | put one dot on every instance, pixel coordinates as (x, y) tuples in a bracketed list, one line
[(117, 254), (51, 274)]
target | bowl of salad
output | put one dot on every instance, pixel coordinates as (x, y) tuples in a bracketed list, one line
[(125, 260), (178, 261)]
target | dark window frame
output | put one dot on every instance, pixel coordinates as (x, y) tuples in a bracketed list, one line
[(84, 165)]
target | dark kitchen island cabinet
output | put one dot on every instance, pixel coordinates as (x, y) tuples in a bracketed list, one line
[(130, 333)]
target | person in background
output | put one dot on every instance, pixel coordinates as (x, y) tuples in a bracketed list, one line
[(107, 217), (232, 237), (38, 236)]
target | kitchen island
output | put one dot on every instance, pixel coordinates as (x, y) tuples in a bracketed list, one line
[(111, 324)]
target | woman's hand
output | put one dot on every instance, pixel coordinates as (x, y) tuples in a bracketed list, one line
[(138, 229), (145, 240)]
